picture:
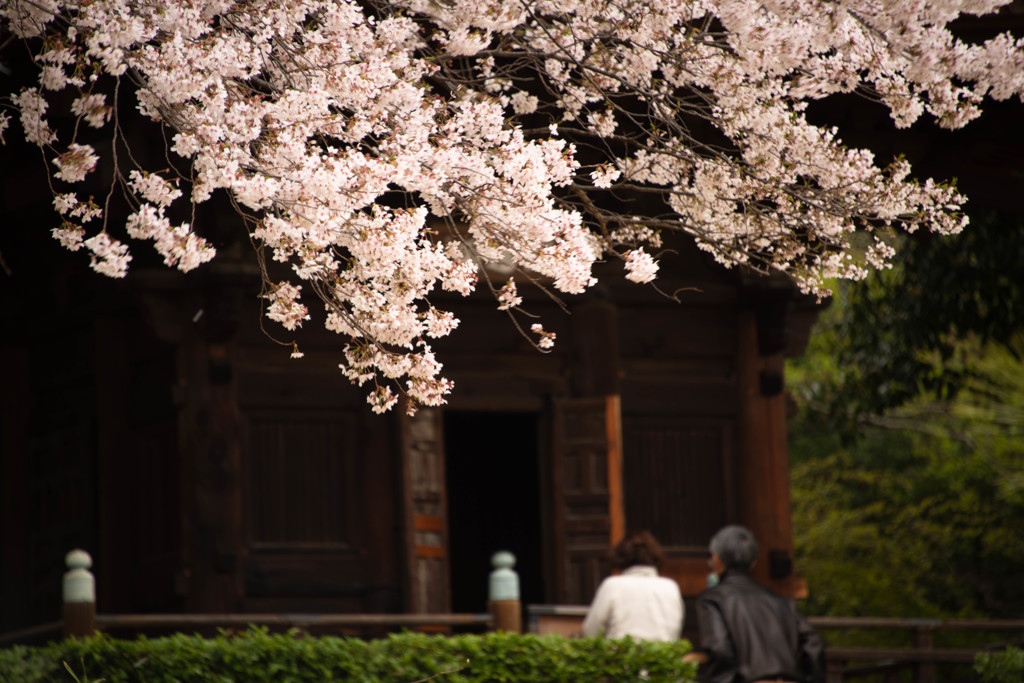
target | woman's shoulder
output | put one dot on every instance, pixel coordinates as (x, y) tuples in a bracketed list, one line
[(669, 583)]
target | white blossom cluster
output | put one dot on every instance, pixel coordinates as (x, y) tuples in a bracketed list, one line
[(388, 149)]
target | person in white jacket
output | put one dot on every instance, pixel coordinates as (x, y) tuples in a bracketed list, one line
[(637, 601)]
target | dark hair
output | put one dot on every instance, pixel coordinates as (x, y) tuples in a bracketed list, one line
[(735, 546), (634, 549)]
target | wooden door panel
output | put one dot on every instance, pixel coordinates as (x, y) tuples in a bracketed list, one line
[(586, 494), (303, 505), (301, 479)]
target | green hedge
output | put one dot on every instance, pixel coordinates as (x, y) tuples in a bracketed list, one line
[(256, 655), (1001, 667)]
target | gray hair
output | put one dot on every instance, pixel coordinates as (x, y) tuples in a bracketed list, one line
[(735, 546)]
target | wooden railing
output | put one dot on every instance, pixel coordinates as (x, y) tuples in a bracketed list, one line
[(352, 624), (80, 618), (51, 630), (845, 663), (921, 657), (304, 622)]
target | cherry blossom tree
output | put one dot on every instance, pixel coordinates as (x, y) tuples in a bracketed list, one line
[(387, 150)]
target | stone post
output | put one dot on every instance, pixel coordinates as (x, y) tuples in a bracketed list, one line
[(503, 595), (79, 596)]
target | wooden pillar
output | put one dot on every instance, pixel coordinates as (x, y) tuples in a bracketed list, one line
[(762, 457), (595, 329), (211, 450), (15, 410), (924, 672), (425, 511), (114, 515), (834, 671)]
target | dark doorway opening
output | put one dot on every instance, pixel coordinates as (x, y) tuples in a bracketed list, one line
[(492, 466)]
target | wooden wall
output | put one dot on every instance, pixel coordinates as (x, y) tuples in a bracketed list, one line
[(207, 471)]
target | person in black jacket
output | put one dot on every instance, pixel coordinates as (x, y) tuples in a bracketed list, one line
[(749, 634)]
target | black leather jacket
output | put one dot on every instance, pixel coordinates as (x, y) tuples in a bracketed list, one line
[(750, 633)]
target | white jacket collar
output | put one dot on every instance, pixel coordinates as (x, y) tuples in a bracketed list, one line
[(640, 570)]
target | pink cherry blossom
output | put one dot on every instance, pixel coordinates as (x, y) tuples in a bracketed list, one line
[(546, 339), (640, 267), (109, 256), (75, 163), (508, 297), (505, 131)]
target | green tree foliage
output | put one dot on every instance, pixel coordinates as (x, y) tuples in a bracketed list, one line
[(910, 524), (898, 333), (1001, 667), (908, 444)]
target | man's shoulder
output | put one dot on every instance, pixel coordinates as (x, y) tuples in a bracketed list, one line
[(737, 586), (714, 594)]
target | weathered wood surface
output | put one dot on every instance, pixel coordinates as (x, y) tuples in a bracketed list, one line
[(426, 538), (586, 493)]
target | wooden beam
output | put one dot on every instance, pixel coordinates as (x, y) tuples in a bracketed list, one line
[(185, 621), (901, 654)]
